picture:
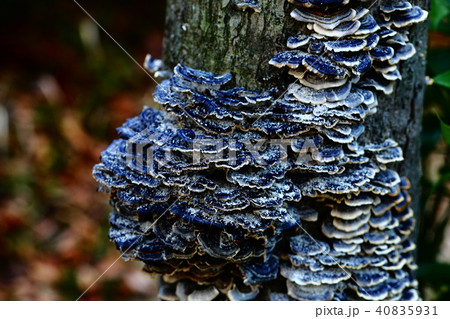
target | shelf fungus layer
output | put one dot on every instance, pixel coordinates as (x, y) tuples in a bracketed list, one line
[(228, 192)]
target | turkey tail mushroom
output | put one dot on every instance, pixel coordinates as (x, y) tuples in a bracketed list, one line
[(204, 197)]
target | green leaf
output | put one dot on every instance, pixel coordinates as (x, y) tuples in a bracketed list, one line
[(445, 130), (443, 79), (439, 10)]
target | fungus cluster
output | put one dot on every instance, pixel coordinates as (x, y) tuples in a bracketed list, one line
[(227, 192)]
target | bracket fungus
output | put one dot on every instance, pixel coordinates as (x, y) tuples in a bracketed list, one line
[(202, 196)]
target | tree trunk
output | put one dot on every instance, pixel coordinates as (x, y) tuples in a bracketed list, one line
[(219, 37)]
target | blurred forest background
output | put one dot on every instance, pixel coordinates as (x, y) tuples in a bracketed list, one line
[(64, 88)]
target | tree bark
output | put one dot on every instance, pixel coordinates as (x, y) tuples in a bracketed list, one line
[(219, 37)]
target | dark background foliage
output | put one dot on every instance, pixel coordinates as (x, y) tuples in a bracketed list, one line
[(64, 88), (434, 230)]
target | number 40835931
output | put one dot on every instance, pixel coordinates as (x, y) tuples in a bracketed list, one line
[(407, 310)]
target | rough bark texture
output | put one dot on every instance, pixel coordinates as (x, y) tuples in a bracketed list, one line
[(217, 36)]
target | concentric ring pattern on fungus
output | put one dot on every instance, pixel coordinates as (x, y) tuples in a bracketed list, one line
[(232, 194)]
